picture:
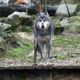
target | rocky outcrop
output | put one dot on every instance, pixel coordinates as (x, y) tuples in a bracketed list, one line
[(71, 24), (71, 1), (5, 10), (16, 19), (11, 24), (62, 10), (58, 27)]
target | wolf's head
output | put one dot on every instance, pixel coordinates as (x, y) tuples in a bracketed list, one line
[(43, 20)]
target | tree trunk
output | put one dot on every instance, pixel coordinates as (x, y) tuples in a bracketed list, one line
[(37, 4)]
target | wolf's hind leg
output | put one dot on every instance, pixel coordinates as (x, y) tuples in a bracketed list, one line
[(48, 46)]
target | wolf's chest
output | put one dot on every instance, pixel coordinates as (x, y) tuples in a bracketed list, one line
[(43, 38), (43, 32)]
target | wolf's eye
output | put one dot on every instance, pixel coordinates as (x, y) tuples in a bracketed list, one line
[(39, 20), (44, 20)]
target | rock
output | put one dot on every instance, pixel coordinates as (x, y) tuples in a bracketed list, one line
[(16, 19), (64, 22), (21, 7), (71, 24), (5, 10), (52, 9), (78, 14), (17, 39), (70, 1), (11, 41), (58, 27), (4, 29), (23, 38), (12, 1), (7, 40), (4, 26), (3, 19), (32, 10), (21, 15), (62, 10), (4, 2)]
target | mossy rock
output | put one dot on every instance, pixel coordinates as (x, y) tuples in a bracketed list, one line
[(16, 19), (71, 24), (62, 10), (58, 28)]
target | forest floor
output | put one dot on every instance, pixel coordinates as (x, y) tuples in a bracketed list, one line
[(65, 49)]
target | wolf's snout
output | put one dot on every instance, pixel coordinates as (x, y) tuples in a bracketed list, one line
[(42, 26)]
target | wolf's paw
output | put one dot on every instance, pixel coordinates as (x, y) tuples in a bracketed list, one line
[(41, 62), (48, 61)]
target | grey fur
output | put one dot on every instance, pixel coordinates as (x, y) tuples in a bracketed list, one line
[(42, 35)]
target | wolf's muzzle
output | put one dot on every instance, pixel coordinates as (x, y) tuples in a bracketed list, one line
[(42, 26)]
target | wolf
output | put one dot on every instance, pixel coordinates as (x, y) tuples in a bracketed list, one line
[(43, 30)]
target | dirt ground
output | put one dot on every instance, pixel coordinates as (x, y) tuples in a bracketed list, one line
[(64, 50)]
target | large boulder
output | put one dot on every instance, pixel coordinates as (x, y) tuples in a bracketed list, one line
[(11, 1), (71, 24), (70, 1), (62, 10), (6, 38), (58, 27), (11, 41), (21, 7), (16, 19), (78, 14), (4, 26), (4, 29), (21, 15), (17, 39), (52, 9), (5, 10)]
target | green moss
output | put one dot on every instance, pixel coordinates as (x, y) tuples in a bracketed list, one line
[(20, 52), (24, 52), (27, 29), (67, 41)]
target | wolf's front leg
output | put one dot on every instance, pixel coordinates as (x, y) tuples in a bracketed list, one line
[(35, 51), (35, 56), (41, 47), (48, 46)]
